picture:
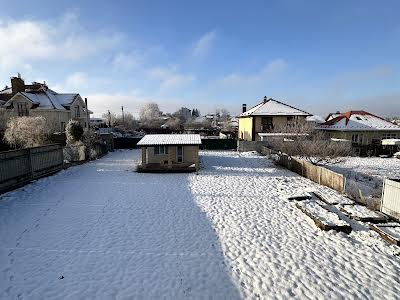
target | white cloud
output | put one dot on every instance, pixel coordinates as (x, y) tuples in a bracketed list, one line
[(203, 45), (169, 78), (32, 40), (270, 70), (127, 61), (132, 101)]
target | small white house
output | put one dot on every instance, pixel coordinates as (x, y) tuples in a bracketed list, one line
[(170, 152)]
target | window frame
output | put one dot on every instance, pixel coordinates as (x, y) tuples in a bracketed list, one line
[(160, 150), (22, 109)]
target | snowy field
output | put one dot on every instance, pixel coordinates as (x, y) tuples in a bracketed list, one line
[(372, 166), (100, 230)]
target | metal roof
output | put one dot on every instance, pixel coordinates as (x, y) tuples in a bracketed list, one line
[(170, 139)]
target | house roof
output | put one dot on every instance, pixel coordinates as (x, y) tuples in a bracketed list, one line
[(47, 99), (272, 107), (316, 119), (358, 120), (170, 139)]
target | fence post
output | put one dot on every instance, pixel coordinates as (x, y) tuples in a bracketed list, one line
[(30, 162)]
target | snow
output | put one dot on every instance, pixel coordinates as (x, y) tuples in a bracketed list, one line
[(372, 166), (361, 122), (393, 231), (100, 230), (325, 216), (360, 211), (170, 139), (331, 197), (273, 107)]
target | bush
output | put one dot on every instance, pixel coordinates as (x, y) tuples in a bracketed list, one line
[(74, 132), (24, 132)]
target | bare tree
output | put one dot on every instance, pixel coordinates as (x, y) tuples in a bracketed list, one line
[(305, 142), (24, 132)]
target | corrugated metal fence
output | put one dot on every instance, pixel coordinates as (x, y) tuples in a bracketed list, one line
[(391, 198), (18, 167)]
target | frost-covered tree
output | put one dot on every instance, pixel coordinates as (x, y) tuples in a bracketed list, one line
[(24, 132), (150, 111), (150, 115), (74, 132)]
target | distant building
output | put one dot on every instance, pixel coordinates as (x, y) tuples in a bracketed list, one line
[(185, 113), (268, 116), (97, 122), (37, 99), (363, 129), (170, 152)]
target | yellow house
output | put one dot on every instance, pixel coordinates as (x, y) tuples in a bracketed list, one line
[(37, 99), (170, 153), (365, 130), (268, 116)]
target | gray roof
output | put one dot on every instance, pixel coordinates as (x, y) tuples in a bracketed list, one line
[(170, 139)]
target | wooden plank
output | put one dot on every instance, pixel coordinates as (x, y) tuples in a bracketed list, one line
[(384, 234), (333, 199), (363, 214), (319, 222)]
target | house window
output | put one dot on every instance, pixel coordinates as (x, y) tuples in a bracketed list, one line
[(266, 124), (160, 150), (62, 126), (179, 153), (354, 138), (22, 109), (389, 136), (77, 112), (290, 121)]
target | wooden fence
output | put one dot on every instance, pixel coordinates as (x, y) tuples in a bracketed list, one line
[(317, 174), (18, 167)]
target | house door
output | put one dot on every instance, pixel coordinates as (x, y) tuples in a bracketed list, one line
[(179, 153)]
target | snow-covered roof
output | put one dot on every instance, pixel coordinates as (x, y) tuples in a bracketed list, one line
[(170, 139), (281, 134), (359, 121), (47, 99), (271, 107), (316, 119), (6, 91)]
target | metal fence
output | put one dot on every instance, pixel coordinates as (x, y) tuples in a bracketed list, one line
[(391, 198), (18, 167)]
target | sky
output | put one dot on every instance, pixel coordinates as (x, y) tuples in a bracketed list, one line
[(320, 56)]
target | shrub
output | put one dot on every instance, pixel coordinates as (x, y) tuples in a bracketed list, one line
[(74, 132), (24, 132)]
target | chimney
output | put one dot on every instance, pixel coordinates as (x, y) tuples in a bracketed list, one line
[(265, 99), (17, 84), (244, 107)]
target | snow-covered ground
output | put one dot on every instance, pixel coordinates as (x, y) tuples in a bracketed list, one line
[(100, 230), (372, 166), (366, 174)]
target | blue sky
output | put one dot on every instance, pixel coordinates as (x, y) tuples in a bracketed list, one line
[(320, 56)]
